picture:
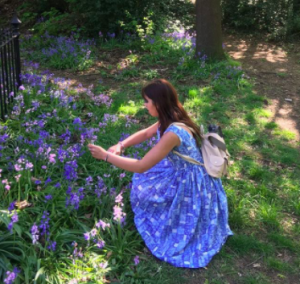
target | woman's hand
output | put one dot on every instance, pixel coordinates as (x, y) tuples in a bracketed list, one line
[(115, 149), (97, 152)]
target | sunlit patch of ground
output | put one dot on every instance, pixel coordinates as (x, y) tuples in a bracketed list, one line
[(276, 73)]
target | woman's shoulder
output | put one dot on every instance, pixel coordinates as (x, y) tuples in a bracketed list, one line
[(179, 127)]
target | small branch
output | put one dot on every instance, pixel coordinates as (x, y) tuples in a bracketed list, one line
[(255, 261)]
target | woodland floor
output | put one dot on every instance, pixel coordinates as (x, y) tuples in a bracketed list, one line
[(276, 70)]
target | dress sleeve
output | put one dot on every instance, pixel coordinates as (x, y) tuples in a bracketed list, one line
[(177, 130)]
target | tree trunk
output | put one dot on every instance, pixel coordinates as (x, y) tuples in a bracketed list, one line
[(208, 28)]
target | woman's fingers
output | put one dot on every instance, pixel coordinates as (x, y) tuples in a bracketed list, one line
[(96, 151)]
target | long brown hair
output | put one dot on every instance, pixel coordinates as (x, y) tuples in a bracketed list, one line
[(165, 99)]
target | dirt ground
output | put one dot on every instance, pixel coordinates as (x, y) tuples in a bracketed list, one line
[(276, 70)]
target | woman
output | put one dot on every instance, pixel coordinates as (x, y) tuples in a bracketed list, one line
[(180, 211)]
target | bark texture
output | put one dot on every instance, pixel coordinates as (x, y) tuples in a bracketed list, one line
[(208, 28)]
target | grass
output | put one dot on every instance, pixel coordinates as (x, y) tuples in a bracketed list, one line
[(263, 185)]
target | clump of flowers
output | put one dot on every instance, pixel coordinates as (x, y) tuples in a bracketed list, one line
[(35, 233), (119, 214), (11, 276), (43, 231), (61, 52), (7, 184), (14, 219), (74, 197), (23, 164), (94, 235)]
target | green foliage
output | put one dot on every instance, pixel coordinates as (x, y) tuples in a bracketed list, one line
[(278, 18), (262, 186), (59, 52), (119, 17)]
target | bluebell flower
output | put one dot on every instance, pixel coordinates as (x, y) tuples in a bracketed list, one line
[(52, 246), (11, 206), (35, 233), (47, 180), (58, 185), (87, 236), (48, 197), (44, 225), (14, 219), (11, 276)]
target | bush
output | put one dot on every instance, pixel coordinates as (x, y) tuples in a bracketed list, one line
[(108, 16), (279, 18)]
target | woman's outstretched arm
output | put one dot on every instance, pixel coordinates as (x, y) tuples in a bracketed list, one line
[(156, 154), (135, 139)]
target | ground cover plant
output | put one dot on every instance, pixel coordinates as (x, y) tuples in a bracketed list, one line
[(60, 52), (66, 218)]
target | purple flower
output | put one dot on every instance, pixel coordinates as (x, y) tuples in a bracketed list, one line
[(101, 224), (119, 199), (93, 232), (58, 185), (73, 199), (28, 165), (119, 215), (11, 276), (48, 197), (48, 180), (103, 265), (111, 35), (11, 206), (44, 225), (52, 158), (136, 260), (21, 88), (52, 246), (100, 244), (122, 175), (14, 219), (70, 170), (89, 180), (35, 233), (87, 236)]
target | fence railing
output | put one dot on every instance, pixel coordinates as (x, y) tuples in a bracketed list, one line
[(10, 65)]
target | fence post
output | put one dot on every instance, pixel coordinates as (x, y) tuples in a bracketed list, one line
[(15, 22)]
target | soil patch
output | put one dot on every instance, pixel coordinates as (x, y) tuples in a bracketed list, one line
[(276, 70)]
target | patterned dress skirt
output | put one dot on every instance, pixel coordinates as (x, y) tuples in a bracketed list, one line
[(180, 211)]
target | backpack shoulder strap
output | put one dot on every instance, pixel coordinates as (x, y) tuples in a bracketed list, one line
[(184, 125), (188, 158)]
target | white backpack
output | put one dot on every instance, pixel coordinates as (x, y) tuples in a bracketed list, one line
[(214, 153)]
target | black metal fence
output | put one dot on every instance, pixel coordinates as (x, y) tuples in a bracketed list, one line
[(10, 65)]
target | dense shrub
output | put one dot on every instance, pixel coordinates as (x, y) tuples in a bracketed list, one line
[(279, 18), (113, 16)]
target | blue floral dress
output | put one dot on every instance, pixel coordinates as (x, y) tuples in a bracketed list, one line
[(180, 211)]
